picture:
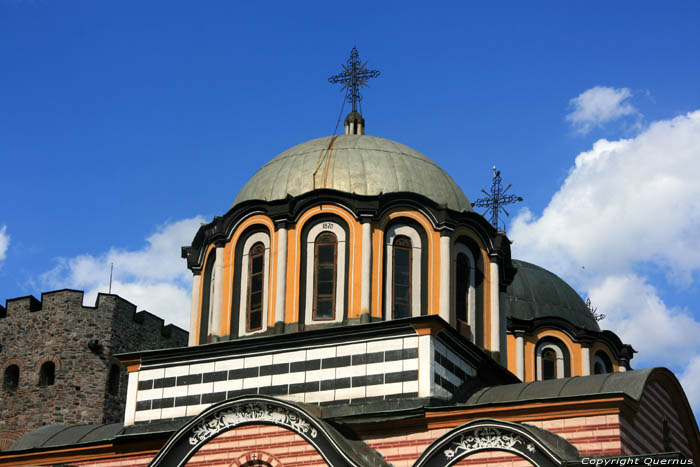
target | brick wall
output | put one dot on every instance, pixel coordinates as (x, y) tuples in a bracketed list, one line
[(58, 329), (277, 446)]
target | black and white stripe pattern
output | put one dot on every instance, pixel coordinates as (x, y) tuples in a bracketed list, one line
[(349, 373), (450, 371)]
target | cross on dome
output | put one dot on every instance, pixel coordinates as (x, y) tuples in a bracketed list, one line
[(354, 75)]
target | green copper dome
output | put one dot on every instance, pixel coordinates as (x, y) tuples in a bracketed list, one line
[(361, 164), (538, 293)]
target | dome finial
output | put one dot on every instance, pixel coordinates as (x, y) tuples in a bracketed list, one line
[(354, 75)]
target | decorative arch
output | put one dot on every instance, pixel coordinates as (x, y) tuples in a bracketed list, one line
[(249, 410), (254, 239), (561, 351), (313, 230), (471, 292), (488, 435), (408, 231)]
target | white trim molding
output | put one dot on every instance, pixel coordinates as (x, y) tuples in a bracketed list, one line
[(194, 311), (389, 237), (560, 359), (264, 238), (314, 232)]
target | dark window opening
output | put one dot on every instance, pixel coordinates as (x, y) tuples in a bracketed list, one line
[(401, 277), (602, 363), (256, 277), (325, 262), (113, 380), (11, 379), (47, 374), (549, 364), (462, 287)]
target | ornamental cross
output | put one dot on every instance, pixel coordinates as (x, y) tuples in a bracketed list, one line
[(354, 75), (495, 200)]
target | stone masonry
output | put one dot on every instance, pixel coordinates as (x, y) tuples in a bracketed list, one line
[(81, 342)]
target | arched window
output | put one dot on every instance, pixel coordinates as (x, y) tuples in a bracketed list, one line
[(113, 380), (324, 280), (256, 277), (402, 281), (325, 262), (10, 380), (462, 287), (552, 359), (252, 292), (401, 287), (467, 287), (601, 363), (207, 298), (549, 364), (47, 374)]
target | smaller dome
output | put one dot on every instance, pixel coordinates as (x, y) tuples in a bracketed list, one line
[(538, 293)]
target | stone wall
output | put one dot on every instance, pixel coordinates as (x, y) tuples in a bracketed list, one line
[(81, 342)]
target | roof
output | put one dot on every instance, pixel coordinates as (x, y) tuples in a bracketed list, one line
[(360, 164), (630, 383), (538, 293), (63, 435)]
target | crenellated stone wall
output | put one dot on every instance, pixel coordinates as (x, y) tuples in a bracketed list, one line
[(80, 341)]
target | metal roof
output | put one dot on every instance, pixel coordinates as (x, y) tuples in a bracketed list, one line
[(360, 164), (538, 293), (630, 383), (63, 435)]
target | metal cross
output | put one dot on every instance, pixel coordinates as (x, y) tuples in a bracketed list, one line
[(496, 199), (354, 75)]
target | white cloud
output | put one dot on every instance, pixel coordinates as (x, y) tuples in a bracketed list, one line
[(4, 242), (690, 380), (153, 278), (629, 211), (599, 105)]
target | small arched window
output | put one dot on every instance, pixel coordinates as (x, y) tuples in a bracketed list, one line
[(401, 287), (256, 277), (549, 364), (325, 261), (10, 380), (113, 380), (462, 287), (601, 363), (47, 374)]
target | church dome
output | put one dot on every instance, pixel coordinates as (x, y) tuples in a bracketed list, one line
[(360, 164), (538, 293)]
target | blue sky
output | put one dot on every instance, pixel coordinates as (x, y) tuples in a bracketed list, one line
[(125, 124)]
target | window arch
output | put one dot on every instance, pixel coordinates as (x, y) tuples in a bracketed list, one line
[(467, 287), (552, 359), (325, 279), (602, 363), (254, 283), (47, 374), (549, 364), (325, 270), (403, 251), (113, 380), (10, 379), (207, 297), (402, 277), (464, 287)]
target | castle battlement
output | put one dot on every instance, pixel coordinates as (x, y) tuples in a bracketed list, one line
[(70, 300), (78, 343)]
